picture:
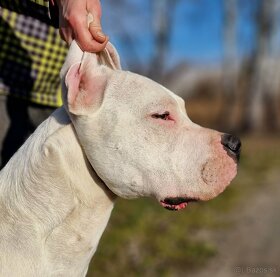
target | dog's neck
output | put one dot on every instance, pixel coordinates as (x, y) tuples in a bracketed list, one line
[(57, 203)]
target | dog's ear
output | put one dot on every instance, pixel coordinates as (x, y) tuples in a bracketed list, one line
[(85, 76), (86, 84), (110, 57)]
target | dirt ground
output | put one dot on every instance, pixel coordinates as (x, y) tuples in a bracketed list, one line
[(252, 246)]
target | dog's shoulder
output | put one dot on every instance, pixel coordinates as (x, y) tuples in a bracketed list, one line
[(57, 135), (44, 153)]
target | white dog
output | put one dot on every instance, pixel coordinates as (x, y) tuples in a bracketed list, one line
[(118, 134)]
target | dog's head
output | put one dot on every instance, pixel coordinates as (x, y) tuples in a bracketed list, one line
[(137, 134)]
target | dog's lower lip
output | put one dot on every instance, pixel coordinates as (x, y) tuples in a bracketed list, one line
[(173, 207), (169, 205)]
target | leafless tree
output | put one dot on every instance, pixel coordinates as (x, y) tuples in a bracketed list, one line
[(163, 11), (230, 62), (259, 108)]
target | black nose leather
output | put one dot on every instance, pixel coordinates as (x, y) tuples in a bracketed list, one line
[(232, 145)]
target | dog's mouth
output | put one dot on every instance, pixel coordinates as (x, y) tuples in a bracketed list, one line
[(176, 203)]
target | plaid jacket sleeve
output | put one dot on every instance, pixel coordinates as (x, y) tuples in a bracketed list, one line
[(23, 5), (41, 2), (31, 52), (39, 9)]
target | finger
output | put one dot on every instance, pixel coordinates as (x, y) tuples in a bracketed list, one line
[(94, 7), (95, 28), (85, 39), (91, 45), (96, 31), (66, 34)]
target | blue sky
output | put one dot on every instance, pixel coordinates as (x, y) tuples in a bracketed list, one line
[(196, 36)]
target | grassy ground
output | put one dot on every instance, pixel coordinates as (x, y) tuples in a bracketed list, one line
[(143, 239)]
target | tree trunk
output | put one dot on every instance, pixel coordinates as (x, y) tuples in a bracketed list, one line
[(163, 12), (254, 116), (230, 64)]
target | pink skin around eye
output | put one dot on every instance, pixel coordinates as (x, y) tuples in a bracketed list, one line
[(166, 119), (169, 122), (169, 117)]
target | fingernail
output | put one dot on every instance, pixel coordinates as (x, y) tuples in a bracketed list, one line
[(100, 34)]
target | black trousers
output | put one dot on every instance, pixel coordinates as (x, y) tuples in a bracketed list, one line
[(19, 119)]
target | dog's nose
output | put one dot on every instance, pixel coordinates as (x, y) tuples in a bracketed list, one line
[(232, 145)]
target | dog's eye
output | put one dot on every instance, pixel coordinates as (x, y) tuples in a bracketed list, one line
[(163, 116)]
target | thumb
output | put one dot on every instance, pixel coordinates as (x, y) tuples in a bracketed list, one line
[(95, 28), (90, 41)]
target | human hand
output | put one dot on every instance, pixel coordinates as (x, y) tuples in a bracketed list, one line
[(73, 24)]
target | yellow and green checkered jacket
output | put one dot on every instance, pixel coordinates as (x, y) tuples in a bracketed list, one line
[(31, 52)]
